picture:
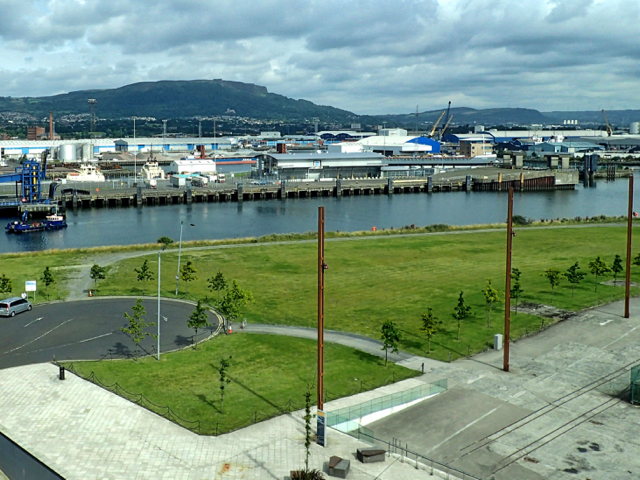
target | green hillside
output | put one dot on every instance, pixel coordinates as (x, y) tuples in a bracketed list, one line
[(174, 99)]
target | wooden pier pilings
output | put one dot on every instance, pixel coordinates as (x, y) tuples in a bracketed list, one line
[(140, 197)]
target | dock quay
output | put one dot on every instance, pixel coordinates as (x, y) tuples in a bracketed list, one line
[(481, 180)]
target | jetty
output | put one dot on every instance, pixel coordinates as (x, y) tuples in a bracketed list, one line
[(479, 180)]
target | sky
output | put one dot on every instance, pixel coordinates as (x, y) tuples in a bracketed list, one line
[(366, 56)]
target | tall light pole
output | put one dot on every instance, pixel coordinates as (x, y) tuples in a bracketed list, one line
[(159, 275), (135, 158), (179, 253)]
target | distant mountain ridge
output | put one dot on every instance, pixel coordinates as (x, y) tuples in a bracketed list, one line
[(175, 99)]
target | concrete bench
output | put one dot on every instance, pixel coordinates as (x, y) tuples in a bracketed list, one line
[(371, 455), (338, 467)]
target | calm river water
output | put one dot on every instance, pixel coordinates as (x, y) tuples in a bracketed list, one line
[(124, 226)]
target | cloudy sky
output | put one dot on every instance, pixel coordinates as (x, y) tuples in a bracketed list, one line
[(367, 56)]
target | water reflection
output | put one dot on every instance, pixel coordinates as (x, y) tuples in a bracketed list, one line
[(120, 226)]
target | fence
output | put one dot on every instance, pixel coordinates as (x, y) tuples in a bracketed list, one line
[(351, 418), (634, 386), (216, 428), (350, 421)]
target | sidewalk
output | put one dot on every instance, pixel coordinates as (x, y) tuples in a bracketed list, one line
[(84, 432)]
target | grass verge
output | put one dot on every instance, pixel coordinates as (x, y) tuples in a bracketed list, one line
[(269, 376)]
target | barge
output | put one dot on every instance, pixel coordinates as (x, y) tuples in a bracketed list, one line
[(51, 222)]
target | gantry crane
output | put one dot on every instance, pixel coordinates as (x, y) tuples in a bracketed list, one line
[(606, 120), (435, 125)]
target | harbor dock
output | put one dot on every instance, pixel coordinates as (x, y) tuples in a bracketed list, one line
[(481, 180)]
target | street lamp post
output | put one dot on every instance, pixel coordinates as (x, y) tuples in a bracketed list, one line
[(135, 158), (159, 275), (179, 254)]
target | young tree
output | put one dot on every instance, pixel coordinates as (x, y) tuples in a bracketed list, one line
[(616, 268), (516, 288), (166, 241), (574, 276), (636, 260), (598, 267), (47, 279), (461, 311), (217, 283), (188, 274), (492, 296), (224, 380), (430, 325), (198, 319), (97, 273), (137, 325), (144, 274), (307, 426), (234, 300), (391, 335), (553, 275), (6, 285)]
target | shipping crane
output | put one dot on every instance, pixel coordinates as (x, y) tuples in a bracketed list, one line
[(435, 125), (446, 124), (606, 120), (444, 129)]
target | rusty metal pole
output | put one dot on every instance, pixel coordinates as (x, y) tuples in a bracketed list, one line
[(507, 288), (627, 292), (321, 267)]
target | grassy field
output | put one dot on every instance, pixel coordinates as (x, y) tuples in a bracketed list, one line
[(269, 376), (372, 280)]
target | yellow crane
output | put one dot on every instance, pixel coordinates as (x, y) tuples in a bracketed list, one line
[(444, 129), (435, 125), (606, 120)]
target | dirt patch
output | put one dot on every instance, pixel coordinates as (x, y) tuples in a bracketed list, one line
[(617, 283), (546, 311)]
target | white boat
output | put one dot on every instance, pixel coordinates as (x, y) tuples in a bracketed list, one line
[(151, 170), (87, 173)]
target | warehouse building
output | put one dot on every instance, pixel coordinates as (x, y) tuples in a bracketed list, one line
[(166, 145), (315, 166)]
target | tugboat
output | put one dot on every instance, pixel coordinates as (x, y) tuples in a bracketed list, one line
[(87, 173), (51, 222)]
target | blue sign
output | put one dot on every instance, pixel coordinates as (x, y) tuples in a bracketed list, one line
[(320, 428)]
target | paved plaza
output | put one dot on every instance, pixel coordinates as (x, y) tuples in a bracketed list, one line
[(561, 413)]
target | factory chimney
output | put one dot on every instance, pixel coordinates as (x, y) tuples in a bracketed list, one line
[(50, 125)]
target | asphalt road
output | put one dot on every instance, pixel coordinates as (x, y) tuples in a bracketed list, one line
[(90, 330)]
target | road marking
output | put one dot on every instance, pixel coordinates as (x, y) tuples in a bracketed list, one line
[(519, 394), (469, 382), (608, 321), (36, 339), (36, 320), (620, 337), (462, 429), (99, 336)]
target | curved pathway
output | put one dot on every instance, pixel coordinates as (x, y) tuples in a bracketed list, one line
[(89, 329), (80, 283), (359, 342)]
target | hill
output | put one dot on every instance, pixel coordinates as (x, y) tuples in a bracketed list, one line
[(175, 99)]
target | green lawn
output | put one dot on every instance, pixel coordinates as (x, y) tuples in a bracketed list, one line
[(269, 376), (369, 281)]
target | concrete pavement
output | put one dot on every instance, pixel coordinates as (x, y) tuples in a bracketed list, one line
[(560, 413)]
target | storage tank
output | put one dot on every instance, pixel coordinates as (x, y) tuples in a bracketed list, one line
[(634, 128), (87, 152), (67, 153)]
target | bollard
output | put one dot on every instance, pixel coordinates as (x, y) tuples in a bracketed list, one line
[(61, 372), (422, 367)]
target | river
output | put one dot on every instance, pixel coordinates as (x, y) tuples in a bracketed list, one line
[(125, 226)]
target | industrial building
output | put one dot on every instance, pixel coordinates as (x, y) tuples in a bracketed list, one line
[(193, 166), (166, 145), (316, 166)]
